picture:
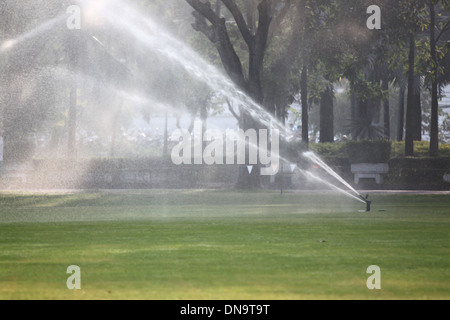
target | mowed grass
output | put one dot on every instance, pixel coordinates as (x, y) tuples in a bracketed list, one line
[(223, 245)]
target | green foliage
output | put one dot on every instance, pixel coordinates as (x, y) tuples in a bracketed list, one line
[(439, 163), (365, 129), (339, 149), (366, 90), (419, 173), (369, 151), (329, 149), (421, 149), (331, 39)]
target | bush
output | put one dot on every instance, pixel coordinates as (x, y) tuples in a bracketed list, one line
[(369, 151), (18, 151), (128, 173), (339, 149), (421, 149), (440, 163), (419, 173), (336, 149)]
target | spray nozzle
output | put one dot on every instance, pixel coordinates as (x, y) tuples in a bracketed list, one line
[(368, 202)]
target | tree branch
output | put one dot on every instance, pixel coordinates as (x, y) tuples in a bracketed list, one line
[(204, 8), (279, 18), (251, 6), (230, 107), (200, 25), (445, 28), (265, 19), (240, 21), (218, 34), (218, 7)]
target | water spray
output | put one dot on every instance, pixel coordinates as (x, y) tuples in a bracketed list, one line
[(37, 31), (144, 30), (314, 158)]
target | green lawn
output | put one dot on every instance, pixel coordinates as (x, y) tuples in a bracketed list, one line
[(223, 245)]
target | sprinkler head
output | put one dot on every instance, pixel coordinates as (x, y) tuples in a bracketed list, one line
[(368, 202)]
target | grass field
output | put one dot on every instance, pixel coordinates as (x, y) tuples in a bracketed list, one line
[(223, 245)]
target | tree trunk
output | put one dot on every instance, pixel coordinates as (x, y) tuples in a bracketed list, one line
[(166, 136), (409, 137), (72, 122), (305, 111), (327, 116), (256, 42), (248, 179), (2, 142), (1, 148), (386, 110), (417, 109), (353, 107), (204, 119), (114, 129), (218, 8), (434, 130), (75, 47), (401, 113), (257, 51), (252, 179)]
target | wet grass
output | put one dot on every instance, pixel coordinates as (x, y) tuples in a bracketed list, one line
[(223, 245)]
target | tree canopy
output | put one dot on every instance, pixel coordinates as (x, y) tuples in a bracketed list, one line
[(378, 65)]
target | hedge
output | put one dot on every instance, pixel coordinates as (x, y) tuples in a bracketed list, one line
[(369, 151)]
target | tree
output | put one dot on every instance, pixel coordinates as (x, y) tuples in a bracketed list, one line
[(361, 61), (413, 108), (22, 66), (255, 34), (435, 7), (405, 30), (327, 115), (320, 20), (217, 32)]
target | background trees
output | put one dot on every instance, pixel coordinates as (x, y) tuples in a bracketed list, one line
[(312, 64)]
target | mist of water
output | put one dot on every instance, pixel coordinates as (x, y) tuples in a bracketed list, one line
[(313, 157), (322, 181), (122, 18), (152, 36), (37, 31)]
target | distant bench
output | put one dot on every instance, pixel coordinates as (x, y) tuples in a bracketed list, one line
[(13, 173), (370, 171), (447, 177)]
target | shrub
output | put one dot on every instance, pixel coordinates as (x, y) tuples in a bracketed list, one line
[(336, 149), (18, 151), (369, 151), (440, 163), (339, 149), (419, 173), (421, 149)]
